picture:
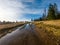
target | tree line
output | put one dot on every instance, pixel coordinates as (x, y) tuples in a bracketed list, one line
[(52, 13)]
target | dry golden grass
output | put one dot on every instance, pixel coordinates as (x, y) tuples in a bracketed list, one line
[(49, 31), (53, 25), (53, 22), (9, 25)]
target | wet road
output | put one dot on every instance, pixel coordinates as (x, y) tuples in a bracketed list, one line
[(22, 36)]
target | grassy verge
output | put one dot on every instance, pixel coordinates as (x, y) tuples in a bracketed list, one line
[(49, 32), (7, 28)]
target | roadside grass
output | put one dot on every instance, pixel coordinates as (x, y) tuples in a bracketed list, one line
[(50, 31), (8, 28), (5, 26)]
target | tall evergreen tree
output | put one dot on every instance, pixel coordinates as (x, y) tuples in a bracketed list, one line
[(57, 13), (58, 16), (51, 12), (43, 17), (55, 9)]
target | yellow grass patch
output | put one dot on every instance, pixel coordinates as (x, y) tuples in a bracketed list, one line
[(9, 25)]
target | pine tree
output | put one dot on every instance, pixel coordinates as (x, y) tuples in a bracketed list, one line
[(58, 16), (55, 9), (44, 15), (51, 12), (57, 13)]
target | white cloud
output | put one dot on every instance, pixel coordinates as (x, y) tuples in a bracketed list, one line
[(28, 0), (10, 9)]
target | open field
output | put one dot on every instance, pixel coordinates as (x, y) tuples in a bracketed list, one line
[(49, 31)]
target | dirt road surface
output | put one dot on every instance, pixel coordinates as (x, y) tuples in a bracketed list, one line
[(24, 35)]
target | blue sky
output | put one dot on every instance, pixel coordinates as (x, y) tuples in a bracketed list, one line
[(23, 10)]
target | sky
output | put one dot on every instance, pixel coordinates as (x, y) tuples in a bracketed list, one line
[(24, 10)]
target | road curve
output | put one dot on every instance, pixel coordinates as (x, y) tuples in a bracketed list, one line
[(22, 36)]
